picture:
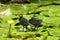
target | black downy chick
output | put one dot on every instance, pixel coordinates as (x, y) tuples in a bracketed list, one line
[(23, 21), (35, 21)]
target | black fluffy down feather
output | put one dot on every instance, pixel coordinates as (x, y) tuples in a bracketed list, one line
[(35, 21), (23, 21)]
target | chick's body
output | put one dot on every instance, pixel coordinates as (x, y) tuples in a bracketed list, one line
[(35, 21), (24, 22)]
